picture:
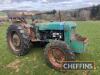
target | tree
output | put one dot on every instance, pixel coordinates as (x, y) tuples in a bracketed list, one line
[(94, 11), (84, 14), (98, 12)]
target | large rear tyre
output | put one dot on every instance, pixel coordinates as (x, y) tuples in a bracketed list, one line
[(18, 41), (55, 54)]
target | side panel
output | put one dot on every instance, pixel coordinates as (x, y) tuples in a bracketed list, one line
[(68, 29), (67, 36)]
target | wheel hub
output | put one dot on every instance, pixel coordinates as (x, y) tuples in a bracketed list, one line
[(56, 56), (16, 40)]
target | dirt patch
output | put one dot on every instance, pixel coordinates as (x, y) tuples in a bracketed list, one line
[(14, 65), (86, 72)]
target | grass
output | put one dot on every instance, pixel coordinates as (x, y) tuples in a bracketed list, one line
[(34, 62)]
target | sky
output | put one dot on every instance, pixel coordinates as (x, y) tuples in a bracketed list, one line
[(44, 5)]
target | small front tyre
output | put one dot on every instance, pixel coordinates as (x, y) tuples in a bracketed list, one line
[(55, 54)]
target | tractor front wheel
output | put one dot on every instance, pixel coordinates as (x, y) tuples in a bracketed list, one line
[(55, 54)]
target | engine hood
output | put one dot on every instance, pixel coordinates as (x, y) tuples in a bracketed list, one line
[(51, 26), (55, 25)]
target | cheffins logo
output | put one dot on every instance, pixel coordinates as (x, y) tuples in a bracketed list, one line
[(74, 65)]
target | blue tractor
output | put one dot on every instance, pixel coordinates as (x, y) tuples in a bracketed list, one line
[(62, 42)]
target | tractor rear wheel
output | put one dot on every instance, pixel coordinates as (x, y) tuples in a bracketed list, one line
[(18, 41), (55, 54)]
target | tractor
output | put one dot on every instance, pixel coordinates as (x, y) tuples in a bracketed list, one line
[(62, 42)]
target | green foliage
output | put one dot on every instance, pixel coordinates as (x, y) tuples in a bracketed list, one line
[(34, 62)]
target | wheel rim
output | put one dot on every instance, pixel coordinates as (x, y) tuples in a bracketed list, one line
[(14, 41), (56, 56)]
